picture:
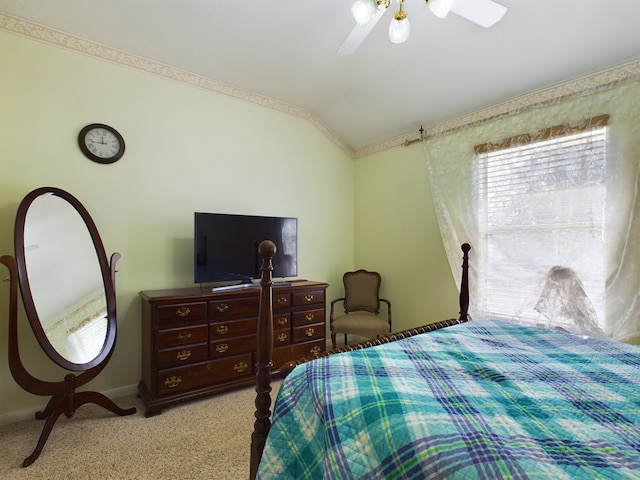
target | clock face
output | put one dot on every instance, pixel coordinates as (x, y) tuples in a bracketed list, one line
[(101, 143)]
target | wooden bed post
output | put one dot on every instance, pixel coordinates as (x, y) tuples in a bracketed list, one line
[(262, 423), (464, 284)]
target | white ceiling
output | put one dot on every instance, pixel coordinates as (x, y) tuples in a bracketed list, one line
[(285, 50)]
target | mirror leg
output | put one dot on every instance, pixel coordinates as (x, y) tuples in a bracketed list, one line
[(67, 404), (55, 412), (49, 408), (103, 401)]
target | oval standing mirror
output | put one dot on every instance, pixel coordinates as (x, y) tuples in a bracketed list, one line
[(67, 288), (65, 280)]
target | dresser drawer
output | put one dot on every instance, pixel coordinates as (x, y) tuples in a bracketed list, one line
[(308, 317), (232, 346), (200, 374), (281, 337), (182, 312), (308, 332), (174, 357), (281, 320), (308, 297), (232, 307), (235, 328), (237, 345), (281, 300), (282, 355), (174, 337)]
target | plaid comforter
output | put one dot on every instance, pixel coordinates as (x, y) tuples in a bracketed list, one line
[(480, 400)]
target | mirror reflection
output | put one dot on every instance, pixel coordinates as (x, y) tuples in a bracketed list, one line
[(65, 279)]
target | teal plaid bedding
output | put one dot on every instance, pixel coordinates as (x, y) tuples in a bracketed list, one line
[(480, 400)]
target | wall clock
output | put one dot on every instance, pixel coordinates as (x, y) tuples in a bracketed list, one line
[(101, 143)]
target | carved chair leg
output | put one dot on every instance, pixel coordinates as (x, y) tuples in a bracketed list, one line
[(333, 340)]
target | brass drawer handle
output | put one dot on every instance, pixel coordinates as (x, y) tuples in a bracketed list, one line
[(172, 381), (222, 329), (184, 335), (309, 332), (315, 350), (240, 367), (222, 307), (282, 300), (183, 355), (183, 311), (309, 317), (309, 297), (282, 337), (222, 347), (282, 321)]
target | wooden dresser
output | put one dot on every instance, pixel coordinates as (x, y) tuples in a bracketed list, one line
[(197, 343)]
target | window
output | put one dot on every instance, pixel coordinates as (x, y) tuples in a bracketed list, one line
[(541, 210)]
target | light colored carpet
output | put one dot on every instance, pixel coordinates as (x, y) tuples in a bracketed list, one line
[(203, 439)]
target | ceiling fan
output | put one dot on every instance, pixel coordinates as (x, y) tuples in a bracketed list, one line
[(367, 13)]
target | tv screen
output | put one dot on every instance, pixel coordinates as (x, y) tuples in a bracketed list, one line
[(226, 246)]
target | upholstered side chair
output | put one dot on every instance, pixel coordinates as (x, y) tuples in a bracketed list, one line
[(361, 304)]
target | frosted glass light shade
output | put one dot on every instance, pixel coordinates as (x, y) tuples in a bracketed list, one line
[(440, 8), (399, 30), (363, 11)]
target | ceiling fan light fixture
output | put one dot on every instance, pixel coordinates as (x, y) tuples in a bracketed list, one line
[(364, 10), (399, 28), (367, 13), (440, 8)]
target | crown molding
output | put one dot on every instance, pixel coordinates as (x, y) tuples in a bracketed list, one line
[(58, 38)]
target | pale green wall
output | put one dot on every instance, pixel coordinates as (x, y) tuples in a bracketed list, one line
[(397, 235), (187, 150)]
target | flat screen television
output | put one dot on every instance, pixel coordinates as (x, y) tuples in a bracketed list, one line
[(226, 246)]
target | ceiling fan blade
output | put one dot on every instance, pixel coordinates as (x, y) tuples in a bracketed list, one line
[(483, 12), (358, 34)]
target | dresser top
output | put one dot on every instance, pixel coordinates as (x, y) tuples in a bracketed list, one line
[(202, 292)]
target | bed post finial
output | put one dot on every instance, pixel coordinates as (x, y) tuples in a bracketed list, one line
[(464, 284), (262, 424)]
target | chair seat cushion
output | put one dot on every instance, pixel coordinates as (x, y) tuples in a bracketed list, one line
[(360, 324)]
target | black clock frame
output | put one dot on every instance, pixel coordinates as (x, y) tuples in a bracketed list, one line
[(89, 154)]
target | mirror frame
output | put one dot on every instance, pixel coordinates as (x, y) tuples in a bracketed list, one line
[(106, 270)]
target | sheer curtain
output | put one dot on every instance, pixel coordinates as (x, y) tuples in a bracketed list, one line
[(455, 177)]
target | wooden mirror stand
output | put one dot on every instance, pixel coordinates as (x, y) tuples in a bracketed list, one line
[(64, 397)]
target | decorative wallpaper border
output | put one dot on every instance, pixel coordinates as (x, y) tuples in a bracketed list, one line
[(58, 38)]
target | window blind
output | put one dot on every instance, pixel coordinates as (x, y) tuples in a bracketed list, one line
[(541, 205)]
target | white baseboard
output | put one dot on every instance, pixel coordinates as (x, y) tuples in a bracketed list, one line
[(27, 414)]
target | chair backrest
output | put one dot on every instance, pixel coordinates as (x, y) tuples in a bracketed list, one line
[(361, 291)]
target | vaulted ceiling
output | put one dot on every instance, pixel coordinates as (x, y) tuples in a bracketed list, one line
[(285, 50)]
